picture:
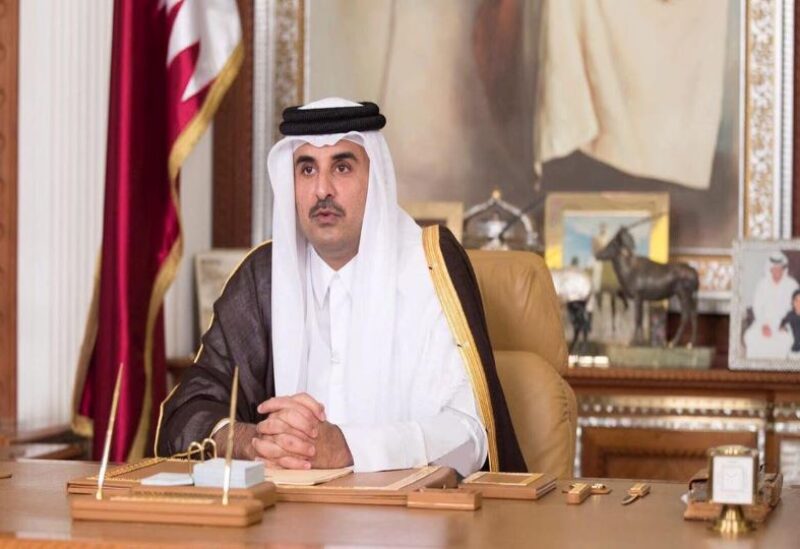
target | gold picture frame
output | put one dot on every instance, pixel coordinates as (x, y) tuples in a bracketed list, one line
[(586, 211), (449, 214)]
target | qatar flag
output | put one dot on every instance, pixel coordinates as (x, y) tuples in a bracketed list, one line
[(172, 62)]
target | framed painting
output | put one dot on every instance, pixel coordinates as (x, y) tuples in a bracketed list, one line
[(723, 138), (577, 225)]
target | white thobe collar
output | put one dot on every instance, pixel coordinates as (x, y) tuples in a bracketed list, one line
[(322, 275)]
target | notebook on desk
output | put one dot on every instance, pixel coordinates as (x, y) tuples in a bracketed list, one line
[(311, 477), (510, 485)]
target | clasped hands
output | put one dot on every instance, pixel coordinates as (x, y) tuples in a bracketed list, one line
[(294, 435)]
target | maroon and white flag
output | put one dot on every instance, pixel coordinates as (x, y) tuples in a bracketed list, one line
[(172, 62)]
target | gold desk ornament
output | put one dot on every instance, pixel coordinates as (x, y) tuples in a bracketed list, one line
[(112, 416), (200, 449), (226, 480), (732, 482)]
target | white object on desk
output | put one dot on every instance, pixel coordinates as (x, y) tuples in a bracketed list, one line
[(168, 479), (244, 474), (308, 477), (734, 480)]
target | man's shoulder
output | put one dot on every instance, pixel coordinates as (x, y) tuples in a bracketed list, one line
[(258, 257), (255, 265)]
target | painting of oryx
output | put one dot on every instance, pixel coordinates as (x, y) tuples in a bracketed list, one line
[(587, 231)]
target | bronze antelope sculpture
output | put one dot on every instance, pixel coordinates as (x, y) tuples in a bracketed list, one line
[(642, 279)]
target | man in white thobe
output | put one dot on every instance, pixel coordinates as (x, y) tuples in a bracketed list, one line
[(771, 301), (343, 339)]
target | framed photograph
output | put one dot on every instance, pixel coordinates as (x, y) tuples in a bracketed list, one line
[(449, 214), (733, 475), (212, 270), (710, 125), (765, 309), (734, 480), (577, 225)]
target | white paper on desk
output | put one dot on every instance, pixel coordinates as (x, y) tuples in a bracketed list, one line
[(302, 477), (168, 479)]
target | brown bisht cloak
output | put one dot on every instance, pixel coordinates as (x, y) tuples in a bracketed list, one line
[(240, 334)]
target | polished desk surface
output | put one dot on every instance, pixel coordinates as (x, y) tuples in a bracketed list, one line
[(34, 506)]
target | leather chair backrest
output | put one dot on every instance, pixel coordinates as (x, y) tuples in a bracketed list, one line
[(522, 309), (524, 319)]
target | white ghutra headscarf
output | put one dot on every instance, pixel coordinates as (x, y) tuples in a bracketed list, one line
[(393, 298)]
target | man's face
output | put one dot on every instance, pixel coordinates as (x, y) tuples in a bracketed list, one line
[(330, 188), (777, 272)]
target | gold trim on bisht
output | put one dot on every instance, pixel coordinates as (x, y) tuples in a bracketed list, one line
[(161, 419), (200, 350), (459, 326), (180, 150)]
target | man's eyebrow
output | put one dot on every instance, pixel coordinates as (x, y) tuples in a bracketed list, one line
[(345, 156), (304, 158)]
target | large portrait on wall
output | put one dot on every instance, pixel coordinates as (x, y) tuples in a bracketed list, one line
[(533, 97)]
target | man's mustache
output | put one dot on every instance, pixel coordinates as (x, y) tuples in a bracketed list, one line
[(326, 204)]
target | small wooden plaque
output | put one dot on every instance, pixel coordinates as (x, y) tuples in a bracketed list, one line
[(445, 498), (5, 474), (510, 485), (264, 492), (194, 510)]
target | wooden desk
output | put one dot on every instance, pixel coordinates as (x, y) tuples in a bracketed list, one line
[(34, 506)]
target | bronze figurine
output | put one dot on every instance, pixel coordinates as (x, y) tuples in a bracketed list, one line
[(642, 279)]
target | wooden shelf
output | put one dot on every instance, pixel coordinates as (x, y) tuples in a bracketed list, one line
[(681, 378), (659, 423)]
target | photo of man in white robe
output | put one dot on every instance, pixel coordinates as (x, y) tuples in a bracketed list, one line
[(771, 301)]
